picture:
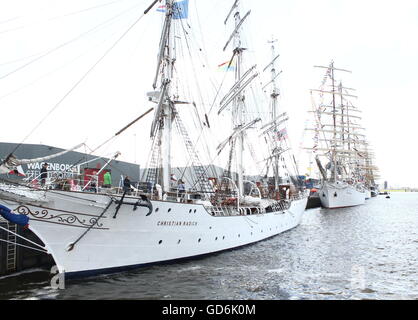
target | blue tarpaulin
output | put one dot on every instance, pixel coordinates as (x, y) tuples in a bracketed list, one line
[(19, 219)]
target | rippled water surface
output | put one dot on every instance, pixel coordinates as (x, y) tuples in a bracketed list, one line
[(365, 252)]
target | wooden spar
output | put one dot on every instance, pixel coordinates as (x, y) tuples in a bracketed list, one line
[(124, 128), (335, 114), (230, 11), (236, 29), (274, 120), (274, 126), (346, 140), (321, 168), (16, 162), (150, 7), (335, 93), (272, 62), (332, 131), (134, 121), (336, 150), (344, 88), (338, 126), (236, 132), (244, 85), (237, 83), (275, 154), (344, 108), (272, 80), (332, 68)]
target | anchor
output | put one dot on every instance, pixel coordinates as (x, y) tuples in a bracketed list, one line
[(143, 202)]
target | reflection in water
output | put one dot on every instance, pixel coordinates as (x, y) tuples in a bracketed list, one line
[(365, 252)]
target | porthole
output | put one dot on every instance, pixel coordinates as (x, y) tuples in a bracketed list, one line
[(210, 228), (169, 209), (199, 240), (161, 241), (156, 209), (239, 235), (223, 238), (190, 211), (178, 242), (216, 238), (251, 233), (194, 211)]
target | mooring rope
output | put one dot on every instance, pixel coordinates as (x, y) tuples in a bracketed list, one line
[(17, 235)]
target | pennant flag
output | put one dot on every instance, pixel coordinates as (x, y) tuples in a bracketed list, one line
[(282, 134), (161, 8), (224, 66), (180, 9)]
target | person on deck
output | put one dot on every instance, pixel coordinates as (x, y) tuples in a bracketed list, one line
[(44, 173), (107, 180), (127, 185), (93, 179), (181, 189)]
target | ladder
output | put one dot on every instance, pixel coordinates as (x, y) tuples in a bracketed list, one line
[(11, 248), (199, 170), (227, 173), (153, 165)]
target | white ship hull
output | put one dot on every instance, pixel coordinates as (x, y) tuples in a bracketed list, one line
[(172, 231), (339, 195)]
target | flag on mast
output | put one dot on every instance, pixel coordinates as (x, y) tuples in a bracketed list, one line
[(226, 67), (281, 134), (180, 9)]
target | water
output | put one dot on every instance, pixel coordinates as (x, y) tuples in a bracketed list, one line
[(365, 252)]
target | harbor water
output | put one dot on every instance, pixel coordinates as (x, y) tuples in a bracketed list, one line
[(364, 252)]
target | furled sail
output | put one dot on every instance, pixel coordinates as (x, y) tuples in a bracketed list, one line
[(11, 162)]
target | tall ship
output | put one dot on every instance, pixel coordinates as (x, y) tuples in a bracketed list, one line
[(370, 173), (91, 228), (339, 144)]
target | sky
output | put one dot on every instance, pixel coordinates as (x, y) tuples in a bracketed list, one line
[(47, 46)]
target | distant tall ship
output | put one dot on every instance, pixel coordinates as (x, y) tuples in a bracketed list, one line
[(96, 229), (371, 174), (339, 145)]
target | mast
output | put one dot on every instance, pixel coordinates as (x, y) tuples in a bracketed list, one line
[(235, 97), (344, 121), (238, 101), (334, 119), (162, 125), (166, 110), (335, 113), (274, 113), (237, 105)]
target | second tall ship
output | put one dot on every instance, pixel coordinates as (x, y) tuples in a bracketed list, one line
[(339, 146)]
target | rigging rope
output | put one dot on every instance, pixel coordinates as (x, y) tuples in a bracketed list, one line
[(65, 43), (58, 17), (78, 82)]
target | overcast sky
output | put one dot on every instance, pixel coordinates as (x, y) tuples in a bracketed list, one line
[(375, 39)]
